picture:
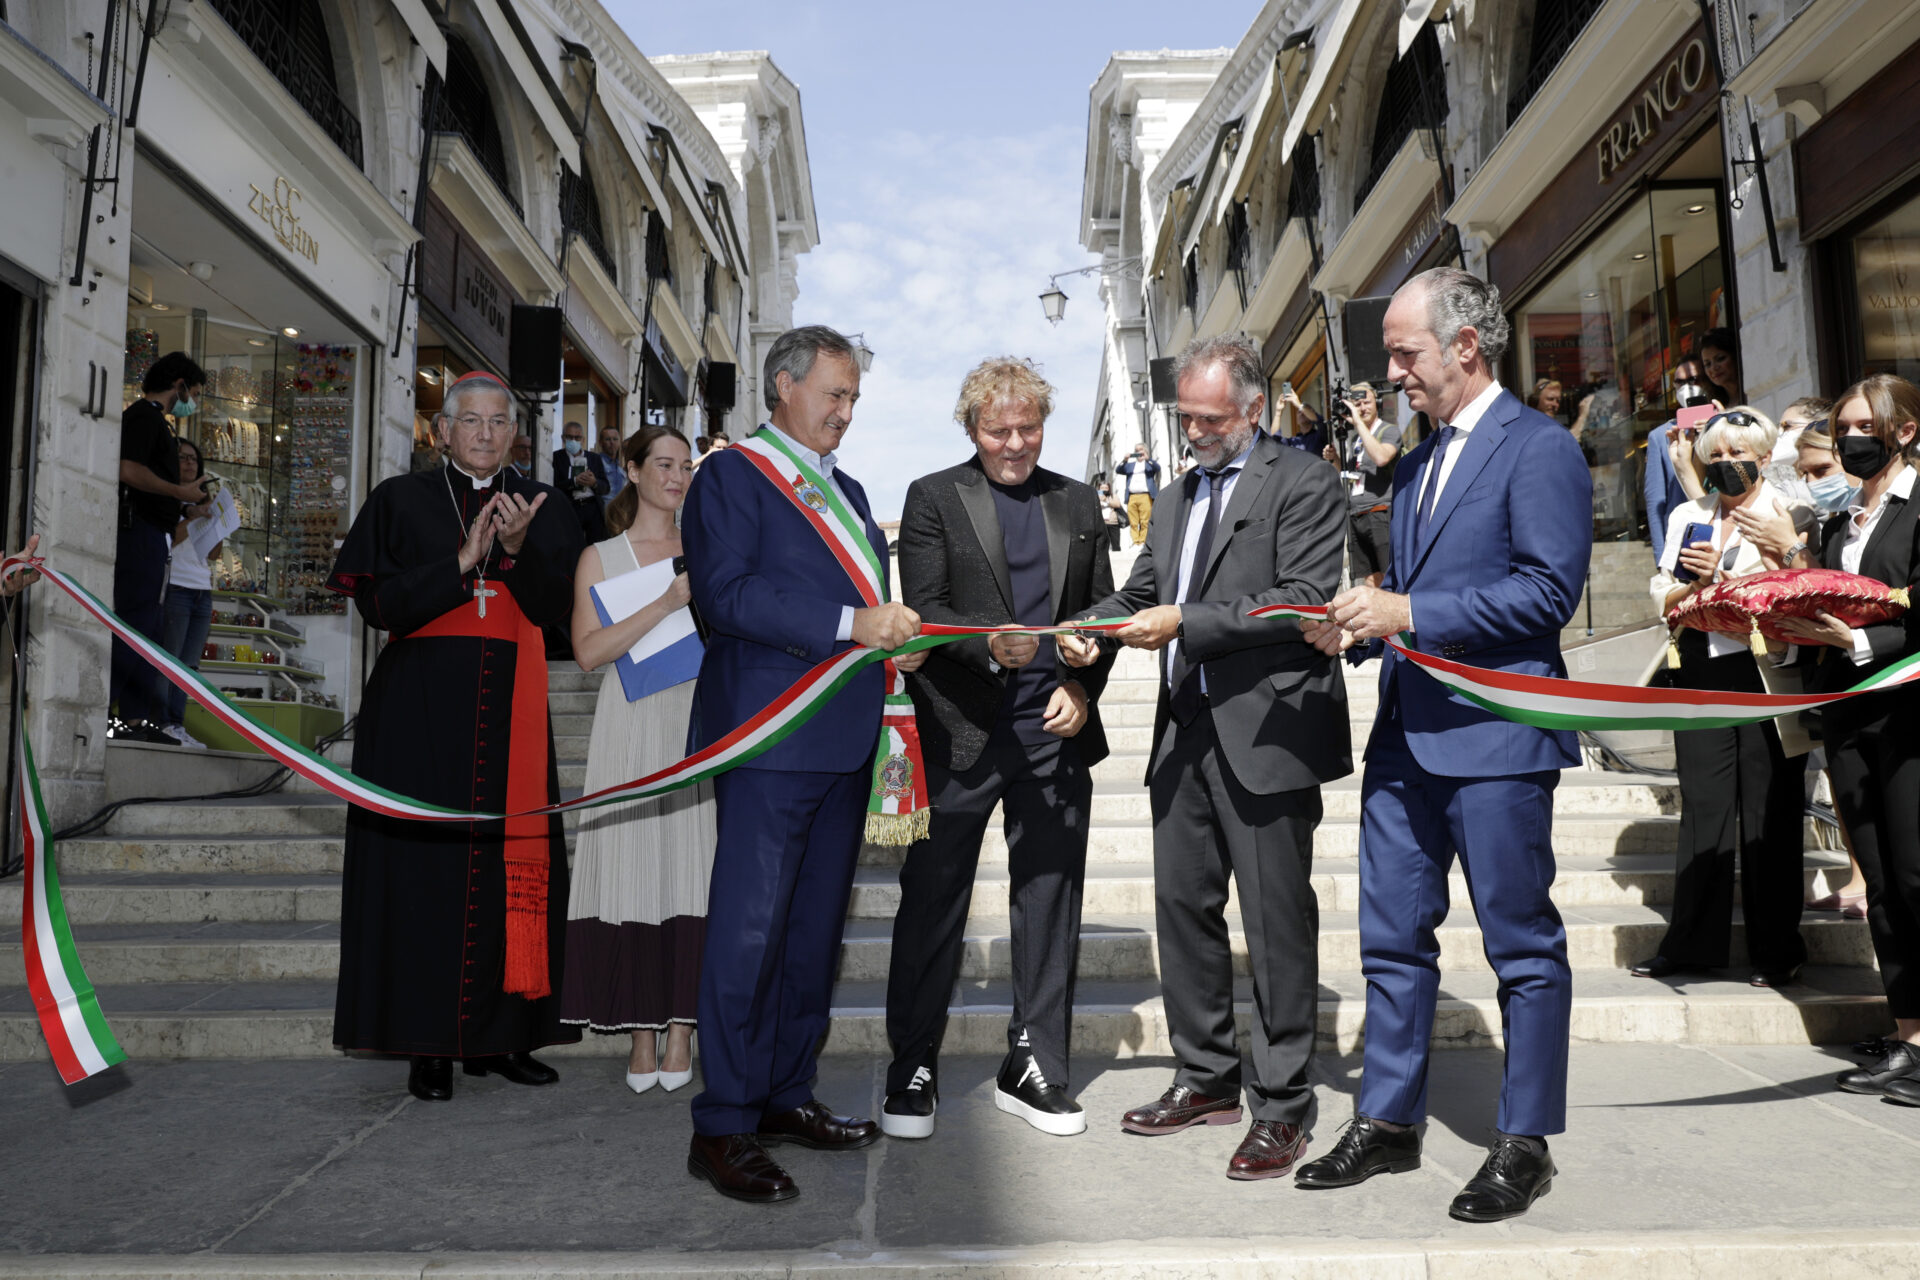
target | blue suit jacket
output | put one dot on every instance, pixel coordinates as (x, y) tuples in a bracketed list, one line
[(772, 593), (1663, 491), (1492, 583)]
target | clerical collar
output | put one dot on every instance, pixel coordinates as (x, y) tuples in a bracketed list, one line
[(824, 463), (478, 483)]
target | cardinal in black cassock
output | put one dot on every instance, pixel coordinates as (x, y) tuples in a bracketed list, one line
[(451, 932)]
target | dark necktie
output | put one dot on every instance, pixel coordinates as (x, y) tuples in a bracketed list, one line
[(1184, 676), (1432, 493)]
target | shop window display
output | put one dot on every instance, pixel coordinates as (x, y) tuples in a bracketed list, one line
[(1612, 324), (1886, 282)]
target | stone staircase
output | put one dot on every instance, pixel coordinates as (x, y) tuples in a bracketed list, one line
[(211, 929)]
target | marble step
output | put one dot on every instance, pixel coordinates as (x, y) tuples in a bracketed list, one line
[(1111, 1018), (1111, 946)]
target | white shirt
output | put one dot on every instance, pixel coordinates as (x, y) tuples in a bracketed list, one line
[(825, 464), (1860, 526), (188, 568), (1190, 544), (1137, 478), (1463, 423)]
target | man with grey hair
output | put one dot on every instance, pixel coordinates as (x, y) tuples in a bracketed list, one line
[(762, 524), (1252, 719), (1491, 531)]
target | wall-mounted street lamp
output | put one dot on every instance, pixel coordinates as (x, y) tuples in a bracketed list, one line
[(1054, 301), (861, 351)]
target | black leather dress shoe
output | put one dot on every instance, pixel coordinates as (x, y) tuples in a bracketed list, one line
[(811, 1125), (1516, 1172), (431, 1079), (1363, 1150), (1873, 1048), (738, 1167), (1180, 1108), (1661, 967), (1904, 1090), (1775, 977), (521, 1068), (1901, 1060)]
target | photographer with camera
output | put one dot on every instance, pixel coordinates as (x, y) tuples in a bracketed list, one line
[(1366, 455), (1313, 437)]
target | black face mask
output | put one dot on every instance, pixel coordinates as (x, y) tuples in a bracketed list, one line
[(1863, 456), (1733, 478)]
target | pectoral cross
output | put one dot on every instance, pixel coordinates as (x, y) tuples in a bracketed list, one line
[(480, 593)]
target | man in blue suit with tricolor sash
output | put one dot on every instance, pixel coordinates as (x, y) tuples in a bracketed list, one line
[(1492, 530), (787, 567)]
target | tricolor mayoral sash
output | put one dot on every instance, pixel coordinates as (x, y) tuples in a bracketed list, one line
[(897, 803)]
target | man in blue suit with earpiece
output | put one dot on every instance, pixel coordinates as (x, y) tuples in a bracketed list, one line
[(1492, 529), (777, 601)]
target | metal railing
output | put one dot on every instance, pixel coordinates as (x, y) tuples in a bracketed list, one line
[(1414, 98), (580, 214), (311, 85), (1556, 25), (1303, 184)]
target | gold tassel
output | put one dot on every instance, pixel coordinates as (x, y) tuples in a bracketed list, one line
[(899, 829), (1898, 595), (1757, 642), (1673, 650)]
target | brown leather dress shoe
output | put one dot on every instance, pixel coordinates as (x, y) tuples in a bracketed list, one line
[(739, 1167), (1268, 1151), (1180, 1108), (811, 1125)]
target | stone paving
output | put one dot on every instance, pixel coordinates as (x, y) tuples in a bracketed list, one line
[(1680, 1160)]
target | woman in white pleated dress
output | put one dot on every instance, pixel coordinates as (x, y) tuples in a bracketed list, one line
[(636, 918)]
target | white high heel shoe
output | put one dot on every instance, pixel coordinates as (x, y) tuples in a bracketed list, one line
[(671, 1080), (641, 1081)]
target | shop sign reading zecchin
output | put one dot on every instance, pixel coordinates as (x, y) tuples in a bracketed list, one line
[(278, 207), (1647, 114)]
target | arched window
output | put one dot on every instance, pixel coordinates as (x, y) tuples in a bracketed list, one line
[(1415, 98), (466, 108), (290, 39), (580, 212)]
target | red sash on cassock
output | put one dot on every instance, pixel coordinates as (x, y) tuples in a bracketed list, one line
[(526, 845)]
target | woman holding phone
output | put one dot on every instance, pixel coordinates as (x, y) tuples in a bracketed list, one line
[(637, 913), (1740, 793)]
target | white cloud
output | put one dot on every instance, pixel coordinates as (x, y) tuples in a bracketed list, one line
[(954, 241)]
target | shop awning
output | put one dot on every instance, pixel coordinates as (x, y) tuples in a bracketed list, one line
[(696, 207), (1261, 119), (1415, 15), (506, 36), (1333, 51), (425, 31)]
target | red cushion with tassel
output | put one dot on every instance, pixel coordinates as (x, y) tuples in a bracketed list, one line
[(1743, 605)]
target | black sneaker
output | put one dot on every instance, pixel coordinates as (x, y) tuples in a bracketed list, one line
[(1023, 1091), (909, 1113), (139, 731)]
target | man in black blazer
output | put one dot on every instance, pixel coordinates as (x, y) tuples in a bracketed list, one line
[(578, 474), (1251, 721), (998, 539)]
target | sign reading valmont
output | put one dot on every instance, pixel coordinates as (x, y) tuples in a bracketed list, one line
[(279, 208)]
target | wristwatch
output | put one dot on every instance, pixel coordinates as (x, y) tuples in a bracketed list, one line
[(1793, 552), (1180, 629)]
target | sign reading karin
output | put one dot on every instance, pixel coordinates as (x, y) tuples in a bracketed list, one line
[(1645, 117), (279, 208)]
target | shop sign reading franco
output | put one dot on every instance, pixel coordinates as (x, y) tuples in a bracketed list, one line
[(1644, 118), (279, 208)]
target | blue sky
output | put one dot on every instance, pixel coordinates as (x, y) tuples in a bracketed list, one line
[(947, 143)]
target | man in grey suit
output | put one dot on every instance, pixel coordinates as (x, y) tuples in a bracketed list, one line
[(1251, 721), (998, 539)]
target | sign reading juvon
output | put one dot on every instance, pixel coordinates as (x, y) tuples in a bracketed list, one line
[(278, 209)]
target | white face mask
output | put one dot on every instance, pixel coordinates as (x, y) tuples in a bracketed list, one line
[(573, 447)]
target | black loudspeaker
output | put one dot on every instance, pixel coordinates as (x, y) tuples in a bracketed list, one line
[(1165, 391), (533, 349), (1366, 348), (721, 386)]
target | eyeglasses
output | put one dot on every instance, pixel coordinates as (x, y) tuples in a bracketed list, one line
[(473, 422)]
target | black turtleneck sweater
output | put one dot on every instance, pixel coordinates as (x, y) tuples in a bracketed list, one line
[(1023, 534)]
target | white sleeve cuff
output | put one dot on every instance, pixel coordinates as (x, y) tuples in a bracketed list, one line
[(1785, 659), (846, 623), (1410, 627), (1862, 650)]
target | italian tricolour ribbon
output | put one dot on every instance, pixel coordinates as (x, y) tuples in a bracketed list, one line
[(897, 812), (82, 1044)]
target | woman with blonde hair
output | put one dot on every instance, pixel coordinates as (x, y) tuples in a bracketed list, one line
[(1740, 793), (636, 920)]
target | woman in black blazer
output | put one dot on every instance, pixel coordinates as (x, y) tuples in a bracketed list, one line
[(1873, 742)]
